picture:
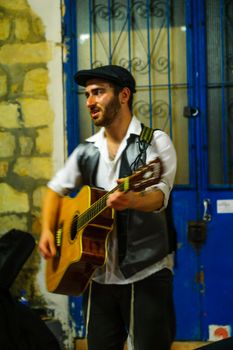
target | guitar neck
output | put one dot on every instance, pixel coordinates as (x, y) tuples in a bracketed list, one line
[(145, 176), (95, 209)]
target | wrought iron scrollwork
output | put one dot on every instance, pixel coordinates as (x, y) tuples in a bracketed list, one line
[(161, 65), (119, 11), (97, 63), (138, 65), (156, 8), (159, 109)]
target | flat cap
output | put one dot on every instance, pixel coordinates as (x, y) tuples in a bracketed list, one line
[(112, 73)]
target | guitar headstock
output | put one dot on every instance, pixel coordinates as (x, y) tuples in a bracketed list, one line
[(145, 176)]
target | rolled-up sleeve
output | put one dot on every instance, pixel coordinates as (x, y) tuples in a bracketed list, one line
[(163, 147), (68, 178)]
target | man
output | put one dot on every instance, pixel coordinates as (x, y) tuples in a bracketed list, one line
[(132, 293)]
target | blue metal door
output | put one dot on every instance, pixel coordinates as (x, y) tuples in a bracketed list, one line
[(181, 55), (204, 212)]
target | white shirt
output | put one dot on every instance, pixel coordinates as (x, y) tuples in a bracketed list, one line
[(69, 177)]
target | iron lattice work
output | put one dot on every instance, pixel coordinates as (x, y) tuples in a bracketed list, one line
[(132, 16), (130, 34), (140, 35)]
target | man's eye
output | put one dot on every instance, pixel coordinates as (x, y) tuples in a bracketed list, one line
[(95, 92), (99, 91)]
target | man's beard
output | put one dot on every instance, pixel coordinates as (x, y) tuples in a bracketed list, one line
[(110, 113)]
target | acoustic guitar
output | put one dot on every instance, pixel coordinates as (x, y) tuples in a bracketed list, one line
[(83, 227)]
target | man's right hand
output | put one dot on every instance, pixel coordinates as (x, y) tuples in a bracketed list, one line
[(46, 245), (50, 209)]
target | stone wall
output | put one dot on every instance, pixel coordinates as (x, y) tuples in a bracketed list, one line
[(26, 123)]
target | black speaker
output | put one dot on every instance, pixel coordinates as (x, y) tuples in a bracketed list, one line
[(15, 248)]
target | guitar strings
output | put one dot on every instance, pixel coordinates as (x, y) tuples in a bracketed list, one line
[(100, 204), (95, 208)]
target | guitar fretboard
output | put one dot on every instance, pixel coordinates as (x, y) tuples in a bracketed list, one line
[(146, 176), (96, 208)]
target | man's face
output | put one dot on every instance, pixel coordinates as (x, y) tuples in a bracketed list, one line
[(103, 105)]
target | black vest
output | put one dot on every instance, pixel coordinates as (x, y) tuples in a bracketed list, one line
[(142, 236)]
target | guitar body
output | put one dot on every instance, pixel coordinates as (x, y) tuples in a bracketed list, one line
[(80, 251)]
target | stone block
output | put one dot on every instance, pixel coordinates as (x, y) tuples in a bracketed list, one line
[(21, 28), (25, 53), (5, 26), (36, 81), (13, 201), (36, 223), (10, 221), (17, 5), (37, 168), (38, 26), (26, 145), (38, 196), (36, 112), (44, 142), (3, 84), (7, 144), (3, 168), (9, 115)]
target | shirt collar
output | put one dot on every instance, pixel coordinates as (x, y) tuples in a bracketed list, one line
[(134, 128)]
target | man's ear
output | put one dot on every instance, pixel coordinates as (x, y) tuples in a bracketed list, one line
[(125, 95)]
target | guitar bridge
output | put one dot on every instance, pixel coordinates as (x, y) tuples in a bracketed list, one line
[(58, 240)]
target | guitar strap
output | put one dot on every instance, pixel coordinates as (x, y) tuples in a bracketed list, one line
[(146, 134), (143, 142), (145, 138)]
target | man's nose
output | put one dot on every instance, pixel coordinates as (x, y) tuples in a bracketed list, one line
[(90, 100)]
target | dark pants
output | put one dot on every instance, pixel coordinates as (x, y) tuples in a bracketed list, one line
[(147, 308)]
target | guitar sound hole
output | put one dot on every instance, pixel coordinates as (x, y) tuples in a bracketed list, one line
[(74, 227)]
